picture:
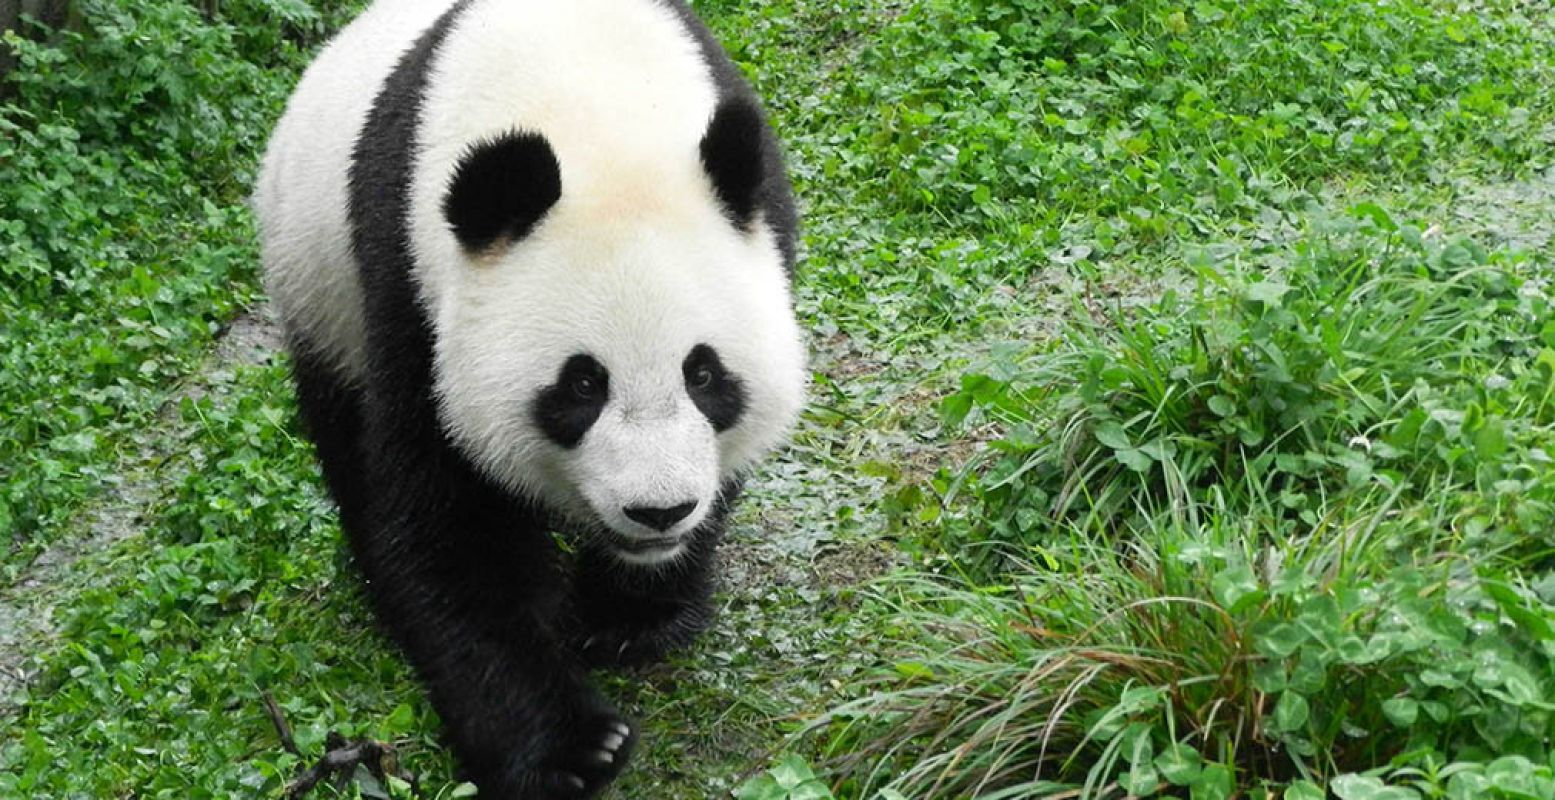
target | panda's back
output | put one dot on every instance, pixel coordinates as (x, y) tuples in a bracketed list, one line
[(302, 196), (615, 85)]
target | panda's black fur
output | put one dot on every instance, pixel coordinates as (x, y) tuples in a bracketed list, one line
[(462, 573)]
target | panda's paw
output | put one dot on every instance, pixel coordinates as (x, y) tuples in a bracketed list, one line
[(591, 758), (620, 647), (645, 642)]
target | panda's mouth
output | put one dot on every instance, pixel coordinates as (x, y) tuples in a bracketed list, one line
[(650, 544)]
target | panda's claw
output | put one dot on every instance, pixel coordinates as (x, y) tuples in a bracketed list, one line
[(591, 758)]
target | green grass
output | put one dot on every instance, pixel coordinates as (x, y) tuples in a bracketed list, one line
[(125, 156), (1279, 529), (1202, 471)]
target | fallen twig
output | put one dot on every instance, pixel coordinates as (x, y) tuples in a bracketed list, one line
[(341, 757), (278, 719)]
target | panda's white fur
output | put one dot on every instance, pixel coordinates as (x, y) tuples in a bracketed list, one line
[(634, 265), (302, 194)]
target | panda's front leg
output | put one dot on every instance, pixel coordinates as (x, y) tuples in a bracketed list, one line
[(526, 727), (630, 614), (463, 579)]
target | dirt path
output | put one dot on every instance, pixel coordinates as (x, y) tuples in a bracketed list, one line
[(27, 618)]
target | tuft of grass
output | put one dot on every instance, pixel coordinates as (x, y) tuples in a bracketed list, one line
[(1192, 659), (1283, 530), (1370, 360)]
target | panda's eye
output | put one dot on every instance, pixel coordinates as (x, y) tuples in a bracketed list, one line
[(585, 387), (702, 377)]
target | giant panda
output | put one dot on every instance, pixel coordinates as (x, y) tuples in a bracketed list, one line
[(533, 261)]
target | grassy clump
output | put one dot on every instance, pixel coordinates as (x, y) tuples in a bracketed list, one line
[(125, 151), (1189, 660), (1370, 361), (1272, 532)]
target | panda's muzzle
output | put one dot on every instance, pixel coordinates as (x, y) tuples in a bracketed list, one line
[(659, 519)]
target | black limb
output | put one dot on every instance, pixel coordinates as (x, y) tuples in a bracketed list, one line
[(332, 418), (463, 577)]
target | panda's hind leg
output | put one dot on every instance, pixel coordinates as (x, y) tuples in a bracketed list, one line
[(332, 417), (629, 615)]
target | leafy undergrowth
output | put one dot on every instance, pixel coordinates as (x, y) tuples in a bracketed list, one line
[(971, 145), (235, 588), (126, 149), (1287, 530)]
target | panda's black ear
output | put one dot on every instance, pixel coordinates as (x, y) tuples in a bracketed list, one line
[(501, 189), (732, 154)]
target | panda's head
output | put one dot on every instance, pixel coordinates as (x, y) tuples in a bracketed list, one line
[(614, 335)]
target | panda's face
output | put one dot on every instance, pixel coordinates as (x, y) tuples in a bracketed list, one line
[(622, 377), (620, 362)]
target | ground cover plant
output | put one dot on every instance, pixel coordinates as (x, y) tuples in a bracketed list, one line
[(1286, 527), (1180, 422), (126, 147)]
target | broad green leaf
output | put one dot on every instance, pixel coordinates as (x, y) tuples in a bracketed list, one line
[(1235, 588), (791, 770), (1111, 434), (1135, 459), (1303, 790), (1291, 712), (1267, 292), (1179, 764), (1376, 214), (1281, 640), (1490, 440), (401, 720), (811, 790), (1365, 787), (1221, 405), (1535, 621), (761, 787), (1401, 711), (1213, 783)]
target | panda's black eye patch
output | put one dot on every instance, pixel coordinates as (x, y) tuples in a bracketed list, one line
[(566, 409), (718, 393)]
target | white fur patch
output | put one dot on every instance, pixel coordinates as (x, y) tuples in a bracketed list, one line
[(634, 265), (302, 195)]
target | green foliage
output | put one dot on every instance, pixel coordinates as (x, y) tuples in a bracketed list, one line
[(1372, 361), (1280, 529), (790, 779), (235, 589), (1285, 530), (982, 141), (125, 151)]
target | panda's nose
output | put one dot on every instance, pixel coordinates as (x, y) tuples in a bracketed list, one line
[(660, 519)]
